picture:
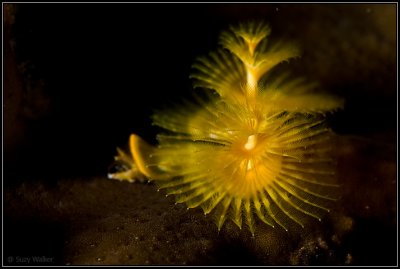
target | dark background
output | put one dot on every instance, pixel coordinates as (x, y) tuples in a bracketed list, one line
[(88, 75)]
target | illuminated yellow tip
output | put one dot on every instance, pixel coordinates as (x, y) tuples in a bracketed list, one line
[(134, 142), (251, 142)]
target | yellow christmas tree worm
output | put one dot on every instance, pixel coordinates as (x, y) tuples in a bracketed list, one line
[(258, 146)]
